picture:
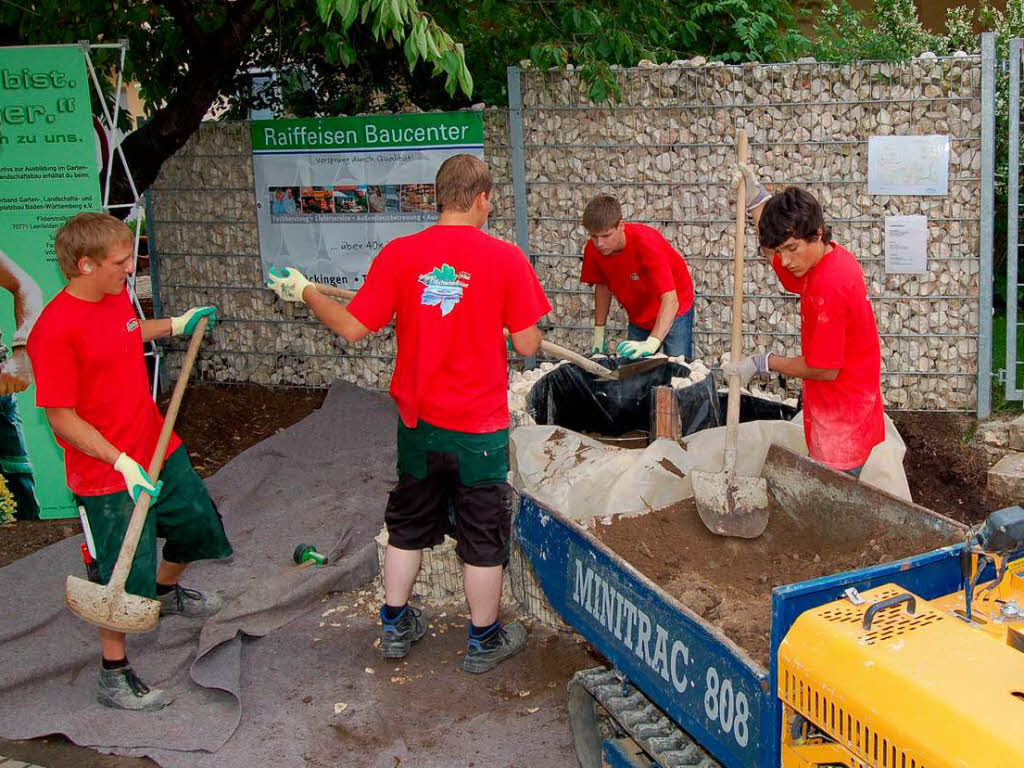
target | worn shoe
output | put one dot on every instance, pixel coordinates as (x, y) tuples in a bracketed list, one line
[(189, 602), (397, 635), (484, 655), (122, 689)]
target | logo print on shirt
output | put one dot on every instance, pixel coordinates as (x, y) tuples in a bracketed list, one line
[(635, 276), (132, 324), (443, 287)]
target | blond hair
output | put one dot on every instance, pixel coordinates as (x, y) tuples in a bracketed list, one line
[(460, 180), (601, 214), (88, 235)]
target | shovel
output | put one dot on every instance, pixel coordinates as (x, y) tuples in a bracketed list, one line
[(109, 606), (554, 350), (728, 504)]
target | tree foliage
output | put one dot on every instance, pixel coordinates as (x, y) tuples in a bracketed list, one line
[(187, 54)]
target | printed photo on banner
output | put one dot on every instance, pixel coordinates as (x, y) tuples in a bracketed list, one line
[(331, 192)]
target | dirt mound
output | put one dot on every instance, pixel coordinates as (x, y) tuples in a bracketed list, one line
[(728, 581)]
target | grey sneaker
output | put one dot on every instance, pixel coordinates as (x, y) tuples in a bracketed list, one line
[(189, 602), (122, 689), (398, 635), (485, 655)]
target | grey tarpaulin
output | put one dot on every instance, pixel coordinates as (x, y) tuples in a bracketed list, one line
[(323, 481)]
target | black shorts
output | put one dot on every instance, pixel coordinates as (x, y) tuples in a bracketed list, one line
[(455, 483)]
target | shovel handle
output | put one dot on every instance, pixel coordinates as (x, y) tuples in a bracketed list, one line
[(338, 293), (732, 417), (138, 520)]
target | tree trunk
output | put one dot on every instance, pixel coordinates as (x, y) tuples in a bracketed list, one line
[(214, 63)]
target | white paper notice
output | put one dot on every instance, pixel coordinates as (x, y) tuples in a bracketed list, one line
[(906, 244), (908, 165)]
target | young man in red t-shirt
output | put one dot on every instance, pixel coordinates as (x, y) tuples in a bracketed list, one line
[(86, 350), (840, 360), (452, 290), (634, 263)]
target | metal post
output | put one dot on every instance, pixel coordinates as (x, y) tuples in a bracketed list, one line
[(1013, 392), (515, 140), (988, 145)]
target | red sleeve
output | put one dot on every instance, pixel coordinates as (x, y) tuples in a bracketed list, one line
[(591, 271), (375, 304), (789, 282), (823, 328), (525, 300), (656, 255), (54, 366)]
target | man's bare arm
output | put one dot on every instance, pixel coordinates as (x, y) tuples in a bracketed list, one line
[(73, 429)]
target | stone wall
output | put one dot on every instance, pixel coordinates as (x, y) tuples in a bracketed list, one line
[(666, 150)]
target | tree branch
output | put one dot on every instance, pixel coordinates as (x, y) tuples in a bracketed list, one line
[(184, 16)]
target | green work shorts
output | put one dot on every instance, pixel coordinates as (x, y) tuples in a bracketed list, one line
[(184, 515), (452, 482)]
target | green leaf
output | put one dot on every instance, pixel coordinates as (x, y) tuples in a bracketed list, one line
[(465, 80), (365, 11), (411, 53), (325, 8)]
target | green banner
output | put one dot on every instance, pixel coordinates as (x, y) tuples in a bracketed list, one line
[(418, 131), (48, 172)]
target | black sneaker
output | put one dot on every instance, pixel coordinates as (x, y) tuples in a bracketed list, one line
[(484, 655), (189, 602), (122, 689), (397, 635)]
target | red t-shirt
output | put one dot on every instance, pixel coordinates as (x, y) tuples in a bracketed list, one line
[(89, 356), (640, 273), (451, 290), (842, 418)]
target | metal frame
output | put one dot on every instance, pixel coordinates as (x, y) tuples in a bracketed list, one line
[(109, 120), (1013, 244), (988, 151)]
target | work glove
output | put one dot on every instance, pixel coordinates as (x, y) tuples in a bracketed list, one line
[(288, 283), (16, 372), (187, 321), (756, 193), (136, 479), (747, 368), (633, 350), (597, 348)]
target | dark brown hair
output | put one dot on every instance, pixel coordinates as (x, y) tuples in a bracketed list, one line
[(602, 213), (794, 212)]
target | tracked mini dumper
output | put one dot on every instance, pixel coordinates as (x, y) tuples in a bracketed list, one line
[(916, 663)]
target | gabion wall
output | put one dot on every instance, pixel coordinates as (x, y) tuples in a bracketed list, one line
[(666, 150)]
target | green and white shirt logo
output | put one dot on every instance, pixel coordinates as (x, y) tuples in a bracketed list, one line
[(443, 287)]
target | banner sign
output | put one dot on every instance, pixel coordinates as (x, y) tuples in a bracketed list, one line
[(48, 173), (330, 193)]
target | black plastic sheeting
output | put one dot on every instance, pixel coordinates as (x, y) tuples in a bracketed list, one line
[(572, 398)]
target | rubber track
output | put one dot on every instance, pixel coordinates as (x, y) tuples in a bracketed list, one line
[(666, 743)]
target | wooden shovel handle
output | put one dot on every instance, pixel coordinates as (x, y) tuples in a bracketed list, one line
[(732, 417), (138, 520)]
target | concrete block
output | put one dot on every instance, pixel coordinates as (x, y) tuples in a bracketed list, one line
[(1016, 434), (1006, 478)]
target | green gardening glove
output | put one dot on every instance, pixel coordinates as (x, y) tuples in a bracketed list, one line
[(187, 321), (634, 350), (136, 479), (287, 282)]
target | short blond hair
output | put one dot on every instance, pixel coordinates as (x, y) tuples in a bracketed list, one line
[(460, 180), (601, 214), (88, 235)]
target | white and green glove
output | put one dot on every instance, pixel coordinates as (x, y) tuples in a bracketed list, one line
[(633, 350), (136, 479), (187, 321), (747, 368), (597, 348), (287, 282), (755, 191)]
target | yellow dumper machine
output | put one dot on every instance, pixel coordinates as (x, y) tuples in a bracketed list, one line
[(917, 663)]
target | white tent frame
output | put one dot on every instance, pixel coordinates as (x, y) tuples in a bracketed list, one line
[(108, 120)]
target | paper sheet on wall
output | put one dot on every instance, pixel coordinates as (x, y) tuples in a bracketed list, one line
[(908, 165), (906, 244)]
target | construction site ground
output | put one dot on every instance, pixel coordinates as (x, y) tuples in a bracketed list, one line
[(430, 698)]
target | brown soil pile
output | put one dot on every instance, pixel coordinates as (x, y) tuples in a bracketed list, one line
[(728, 581)]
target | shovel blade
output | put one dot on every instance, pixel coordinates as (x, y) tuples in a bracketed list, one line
[(731, 505), (628, 370), (109, 608)]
